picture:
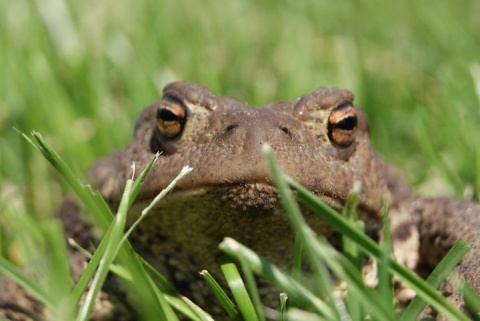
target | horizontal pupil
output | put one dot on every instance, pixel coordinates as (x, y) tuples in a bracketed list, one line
[(166, 115), (348, 123)]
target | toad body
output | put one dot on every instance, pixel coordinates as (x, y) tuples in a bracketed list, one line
[(320, 140)]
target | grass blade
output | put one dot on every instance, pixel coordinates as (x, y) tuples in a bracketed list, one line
[(252, 286), (371, 248), (283, 306), (472, 299), (299, 225), (345, 270), (148, 300), (239, 291), (92, 203), (385, 285), (141, 178), (185, 170), (438, 275), (179, 302), (16, 275), (109, 255), (272, 274), (221, 296), (352, 252), (339, 265)]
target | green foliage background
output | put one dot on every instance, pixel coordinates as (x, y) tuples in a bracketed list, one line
[(80, 71)]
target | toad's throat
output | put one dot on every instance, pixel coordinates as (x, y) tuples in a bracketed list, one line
[(239, 205), (231, 197), (256, 198), (195, 221)]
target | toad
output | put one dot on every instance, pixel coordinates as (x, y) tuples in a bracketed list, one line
[(321, 140)]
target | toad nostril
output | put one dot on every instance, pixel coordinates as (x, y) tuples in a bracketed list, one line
[(285, 130), (230, 127)]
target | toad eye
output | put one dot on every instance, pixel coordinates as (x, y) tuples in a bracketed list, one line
[(342, 125), (171, 116)]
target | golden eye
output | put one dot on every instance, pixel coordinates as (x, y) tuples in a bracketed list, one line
[(342, 125), (171, 115)]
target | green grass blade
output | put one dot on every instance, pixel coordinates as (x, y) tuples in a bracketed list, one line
[(438, 275), (16, 275), (472, 298), (141, 178), (99, 253), (297, 262), (345, 270), (142, 287), (185, 170), (179, 302), (49, 281), (297, 258), (114, 268), (300, 315), (352, 252), (89, 271), (221, 296), (300, 227), (93, 205), (272, 274), (239, 291), (109, 255), (283, 306), (371, 248), (189, 308), (58, 272), (385, 286), (253, 290), (167, 313), (146, 295), (350, 248)]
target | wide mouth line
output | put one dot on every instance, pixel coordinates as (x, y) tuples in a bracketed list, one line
[(225, 185)]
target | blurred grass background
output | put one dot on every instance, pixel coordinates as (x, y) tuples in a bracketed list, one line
[(80, 71)]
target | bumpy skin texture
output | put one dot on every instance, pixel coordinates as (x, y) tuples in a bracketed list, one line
[(229, 192)]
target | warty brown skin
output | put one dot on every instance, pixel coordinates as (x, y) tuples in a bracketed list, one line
[(229, 192)]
